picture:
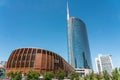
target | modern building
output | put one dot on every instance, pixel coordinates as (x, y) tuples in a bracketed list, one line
[(83, 72), (78, 47), (104, 63), (2, 70), (25, 59)]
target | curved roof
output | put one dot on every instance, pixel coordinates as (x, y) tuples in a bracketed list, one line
[(36, 48)]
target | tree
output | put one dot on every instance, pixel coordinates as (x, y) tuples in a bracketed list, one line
[(10, 74), (15, 75), (48, 75), (32, 75), (119, 70), (106, 76), (60, 74), (98, 76), (74, 76), (116, 74), (91, 76)]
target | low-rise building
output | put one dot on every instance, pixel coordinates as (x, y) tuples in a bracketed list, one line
[(83, 72)]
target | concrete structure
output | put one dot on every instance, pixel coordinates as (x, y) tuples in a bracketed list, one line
[(78, 47), (2, 69), (25, 59), (104, 63), (83, 72)]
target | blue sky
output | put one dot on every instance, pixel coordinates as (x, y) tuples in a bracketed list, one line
[(42, 24)]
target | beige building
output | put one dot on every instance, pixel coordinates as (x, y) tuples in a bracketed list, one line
[(83, 72)]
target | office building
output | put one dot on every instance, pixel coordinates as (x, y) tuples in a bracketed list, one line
[(25, 59), (78, 47), (104, 63)]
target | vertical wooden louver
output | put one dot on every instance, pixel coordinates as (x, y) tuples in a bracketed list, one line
[(25, 59)]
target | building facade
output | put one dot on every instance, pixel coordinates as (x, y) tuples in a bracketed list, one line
[(83, 72), (3, 63), (104, 63), (25, 59), (2, 71), (78, 47)]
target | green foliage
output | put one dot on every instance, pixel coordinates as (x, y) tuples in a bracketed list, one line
[(91, 76), (85, 78), (10, 74), (106, 76), (116, 74), (48, 75), (15, 75), (74, 76), (32, 75), (98, 76), (60, 74)]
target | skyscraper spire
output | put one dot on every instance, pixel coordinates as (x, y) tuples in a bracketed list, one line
[(78, 46), (67, 12)]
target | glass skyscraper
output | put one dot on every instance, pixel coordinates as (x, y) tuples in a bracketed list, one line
[(78, 46)]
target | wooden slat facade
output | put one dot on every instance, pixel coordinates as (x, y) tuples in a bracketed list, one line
[(25, 59)]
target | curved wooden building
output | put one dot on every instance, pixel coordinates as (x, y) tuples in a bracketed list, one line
[(25, 59)]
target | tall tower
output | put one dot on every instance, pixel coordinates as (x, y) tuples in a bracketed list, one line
[(78, 46)]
